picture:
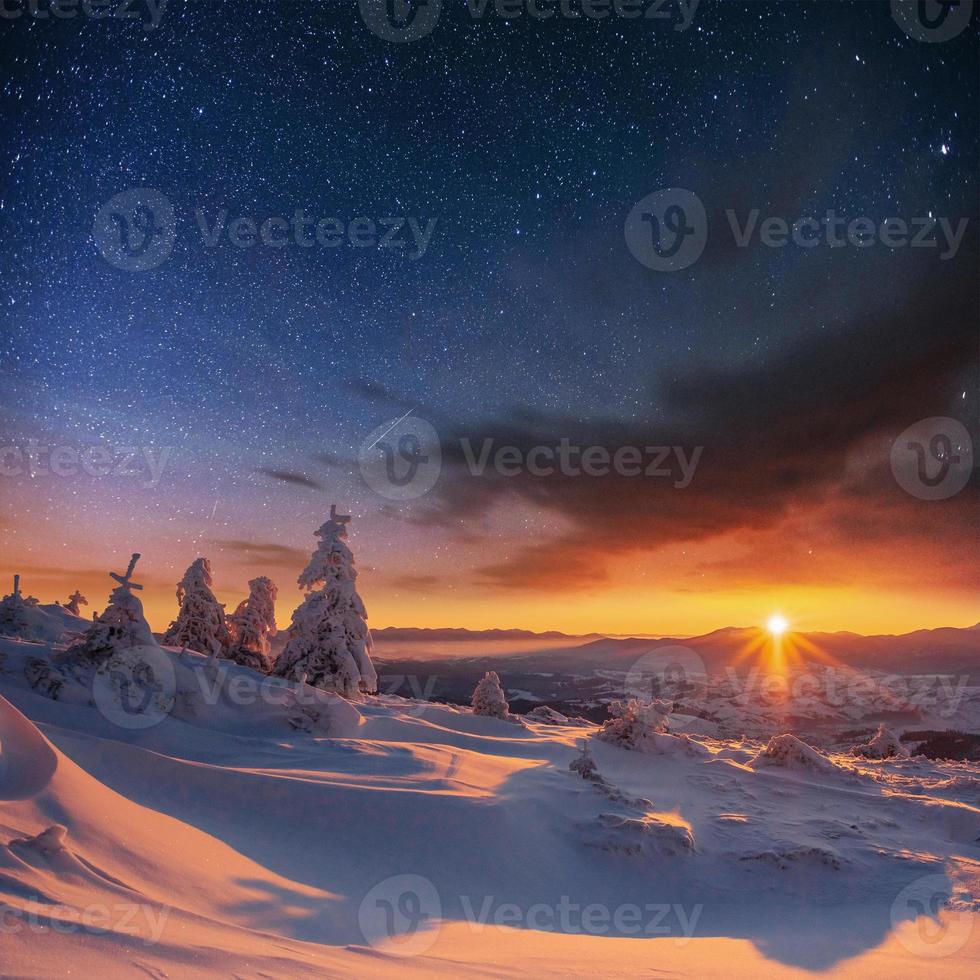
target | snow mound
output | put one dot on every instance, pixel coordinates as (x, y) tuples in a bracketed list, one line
[(140, 687), (676, 745), (884, 745), (792, 753), (787, 857), (123, 853), (49, 841), (27, 761), (546, 716), (46, 624), (642, 836)]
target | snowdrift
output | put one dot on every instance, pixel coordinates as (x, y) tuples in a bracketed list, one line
[(225, 839), (48, 623)]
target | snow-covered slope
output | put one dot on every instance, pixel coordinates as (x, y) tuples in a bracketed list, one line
[(47, 623), (399, 837)]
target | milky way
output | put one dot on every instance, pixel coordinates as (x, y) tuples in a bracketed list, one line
[(502, 158)]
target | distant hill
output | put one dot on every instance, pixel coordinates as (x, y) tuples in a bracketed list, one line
[(414, 634), (942, 650)]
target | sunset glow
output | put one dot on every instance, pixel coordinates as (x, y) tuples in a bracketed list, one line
[(777, 624), (489, 488)]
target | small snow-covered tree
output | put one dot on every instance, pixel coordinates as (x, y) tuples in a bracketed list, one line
[(251, 625), (488, 697), (120, 626), (200, 623), (329, 641), (13, 613), (584, 764), (631, 721), (74, 601), (885, 744)]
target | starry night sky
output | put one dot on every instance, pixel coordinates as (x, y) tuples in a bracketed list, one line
[(262, 370)]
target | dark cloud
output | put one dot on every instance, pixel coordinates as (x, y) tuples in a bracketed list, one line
[(562, 566), (373, 391), (288, 476), (785, 431), (331, 459), (411, 582), (267, 552)]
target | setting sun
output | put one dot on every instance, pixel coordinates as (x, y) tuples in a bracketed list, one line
[(777, 624)]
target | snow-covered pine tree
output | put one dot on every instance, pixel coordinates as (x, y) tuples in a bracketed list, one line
[(13, 613), (120, 626), (488, 697), (252, 623), (329, 640), (584, 764), (200, 624), (631, 723), (74, 601), (884, 745)]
